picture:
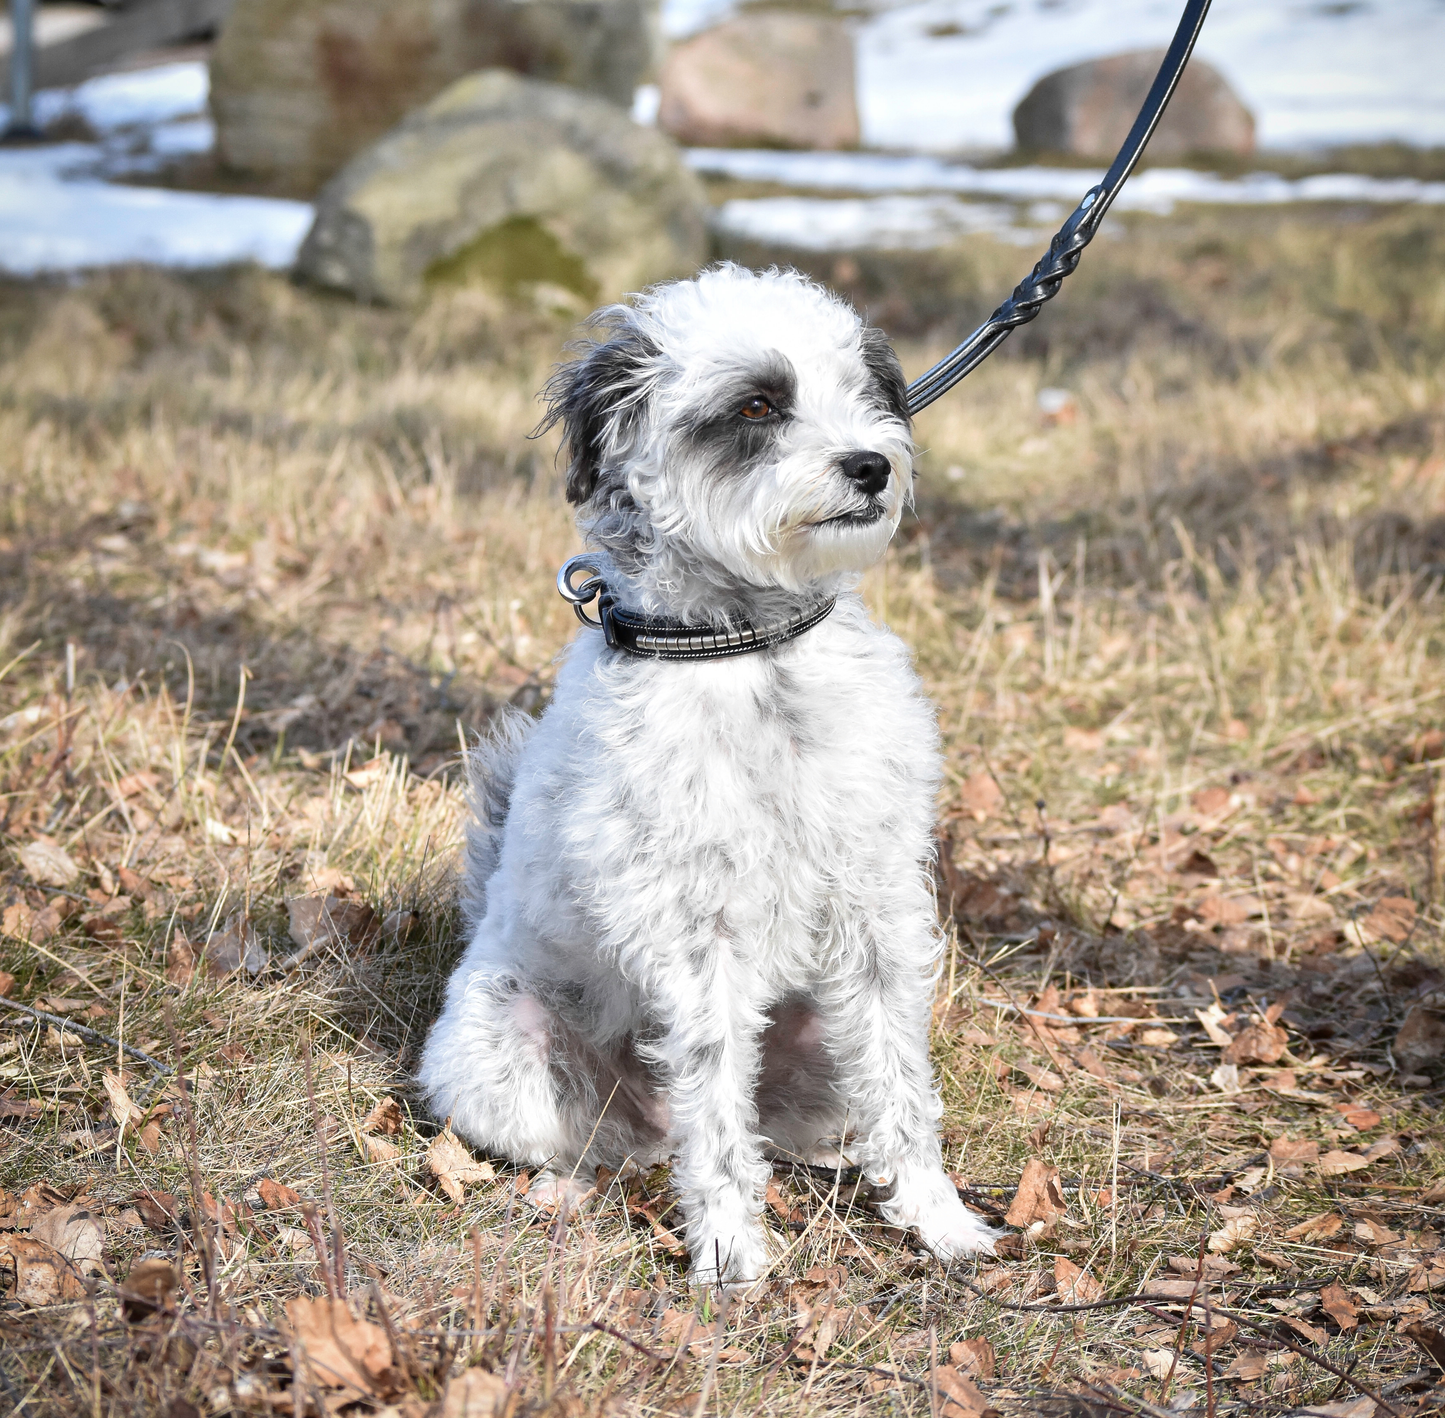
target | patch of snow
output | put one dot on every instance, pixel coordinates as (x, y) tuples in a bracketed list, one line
[(882, 223), (946, 75), (646, 99), (136, 98), (49, 223), (57, 214), (1154, 190)]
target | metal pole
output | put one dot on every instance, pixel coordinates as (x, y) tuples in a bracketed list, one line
[(22, 69)]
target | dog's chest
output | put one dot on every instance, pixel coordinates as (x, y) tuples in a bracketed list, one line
[(775, 776)]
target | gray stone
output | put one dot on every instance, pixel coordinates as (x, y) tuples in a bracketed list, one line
[(510, 182), (299, 86), (1088, 109), (765, 78)]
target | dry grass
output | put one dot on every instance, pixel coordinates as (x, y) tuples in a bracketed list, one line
[(1186, 651)]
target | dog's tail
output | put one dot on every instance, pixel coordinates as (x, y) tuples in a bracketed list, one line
[(491, 771)]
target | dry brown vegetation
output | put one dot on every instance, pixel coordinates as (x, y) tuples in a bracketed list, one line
[(264, 557)]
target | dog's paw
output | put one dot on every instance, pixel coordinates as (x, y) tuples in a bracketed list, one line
[(731, 1262), (930, 1207), (952, 1232), (552, 1191)]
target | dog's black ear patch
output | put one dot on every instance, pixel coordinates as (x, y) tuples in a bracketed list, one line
[(597, 399), (885, 373)]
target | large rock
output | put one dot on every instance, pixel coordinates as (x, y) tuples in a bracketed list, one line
[(299, 86), (769, 78), (511, 182), (1088, 109)]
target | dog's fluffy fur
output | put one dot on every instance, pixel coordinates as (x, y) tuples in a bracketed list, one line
[(700, 912)]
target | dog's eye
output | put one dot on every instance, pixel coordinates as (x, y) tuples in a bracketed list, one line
[(756, 408)]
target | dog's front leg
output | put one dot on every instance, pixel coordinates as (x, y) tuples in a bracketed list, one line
[(876, 1008), (710, 1049)]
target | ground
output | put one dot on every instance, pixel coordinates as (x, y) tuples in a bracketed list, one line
[(267, 557)]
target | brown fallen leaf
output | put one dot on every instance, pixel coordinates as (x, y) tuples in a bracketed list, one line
[(77, 1232), (980, 797), (1075, 1285), (1210, 802), (180, 961), (684, 1327), (7, 983), (1306, 1330), (341, 1351), (453, 1166), (12, 1107), (1262, 1042), (1361, 1119), (1180, 1289), (1216, 910), (159, 1210), (1157, 1038), (148, 1288), (1340, 1307), (1428, 1275), (1248, 1366), (1372, 1233), (973, 1356), (378, 1149), (386, 1118), (819, 1326), (1212, 1021), (235, 950), (1043, 1078), (960, 1396), (475, 1394), (125, 1113), (276, 1195), (1285, 1149), (33, 1273), (1235, 1231), (1392, 919), (1092, 1064), (48, 863), (319, 922), (1317, 1228), (1039, 1195), (1421, 1040), (1429, 1337), (1336, 1163), (1216, 1268)]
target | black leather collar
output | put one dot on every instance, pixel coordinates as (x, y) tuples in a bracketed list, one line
[(672, 639)]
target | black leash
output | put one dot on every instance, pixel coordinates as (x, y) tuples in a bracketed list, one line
[(1043, 282)]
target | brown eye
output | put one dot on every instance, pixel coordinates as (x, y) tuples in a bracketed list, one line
[(756, 408)]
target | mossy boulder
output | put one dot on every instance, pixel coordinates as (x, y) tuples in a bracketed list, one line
[(300, 86), (509, 182)]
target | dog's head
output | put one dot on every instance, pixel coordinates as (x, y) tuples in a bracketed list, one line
[(750, 423)]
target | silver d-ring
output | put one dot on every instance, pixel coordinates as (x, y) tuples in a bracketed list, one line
[(579, 595)]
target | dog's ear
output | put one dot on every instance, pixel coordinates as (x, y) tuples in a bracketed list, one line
[(885, 374), (598, 400)]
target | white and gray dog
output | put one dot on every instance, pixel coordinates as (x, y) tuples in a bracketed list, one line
[(701, 919)]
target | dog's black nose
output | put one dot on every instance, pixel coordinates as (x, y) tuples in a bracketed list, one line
[(868, 469)]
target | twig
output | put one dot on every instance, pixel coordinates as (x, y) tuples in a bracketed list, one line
[(1081, 1021), (337, 1284), (200, 1218), (1049, 1048), (94, 1035)]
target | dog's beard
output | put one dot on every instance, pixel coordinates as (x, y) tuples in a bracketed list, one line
[(796, 525)]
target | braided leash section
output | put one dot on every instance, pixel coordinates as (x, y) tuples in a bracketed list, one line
[(1041, 285), (1047, 277)]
